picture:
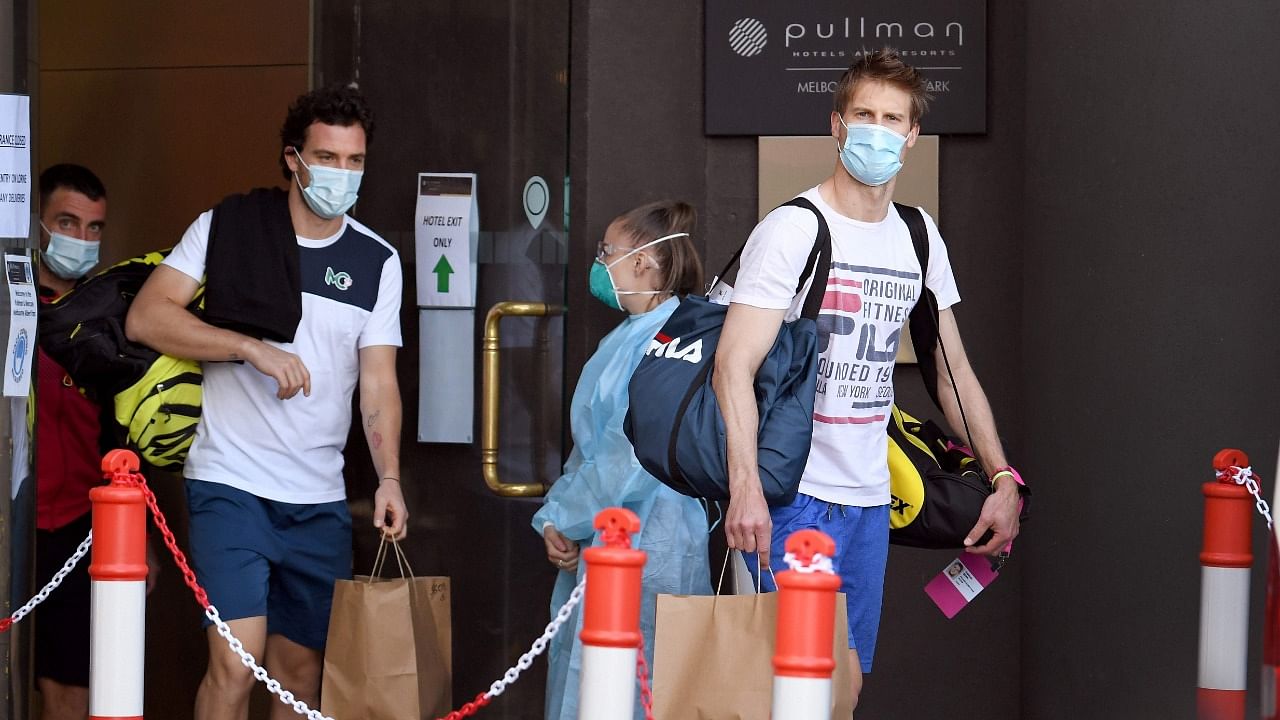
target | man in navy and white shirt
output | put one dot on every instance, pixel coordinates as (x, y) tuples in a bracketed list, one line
[(270, 527), (875, 281)]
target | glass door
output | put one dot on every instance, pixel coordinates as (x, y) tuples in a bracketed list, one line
[(465, 87)]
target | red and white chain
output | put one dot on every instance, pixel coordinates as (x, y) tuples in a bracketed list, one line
[(1246, 477), (288, 698), (819, 564), (642, 678), (211, 612), (52, 585), (260, 673), (539, 645)]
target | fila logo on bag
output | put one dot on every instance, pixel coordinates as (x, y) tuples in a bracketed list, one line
[(662, 346)]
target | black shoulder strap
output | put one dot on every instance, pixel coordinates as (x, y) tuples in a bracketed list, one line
[(925, 327), (818, 264), (923, 321), (919, 235)]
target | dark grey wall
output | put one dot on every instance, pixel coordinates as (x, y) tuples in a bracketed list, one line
[(1149, 340)]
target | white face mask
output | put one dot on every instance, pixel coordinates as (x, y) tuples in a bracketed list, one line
[(332, 191), (67, 257)]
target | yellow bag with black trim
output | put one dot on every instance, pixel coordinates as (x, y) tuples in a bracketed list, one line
[(936, 486), (155, 398)]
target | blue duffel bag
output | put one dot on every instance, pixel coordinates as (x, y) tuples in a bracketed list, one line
[(674, 420)]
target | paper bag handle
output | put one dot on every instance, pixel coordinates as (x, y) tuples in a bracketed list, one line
[(401, 559), (725, 566)]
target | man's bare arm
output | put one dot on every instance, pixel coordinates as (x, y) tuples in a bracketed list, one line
[(748, 334), (159, 319), (1000, 512), (381, 411)]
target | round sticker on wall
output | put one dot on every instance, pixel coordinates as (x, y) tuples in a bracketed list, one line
[(536, 200)]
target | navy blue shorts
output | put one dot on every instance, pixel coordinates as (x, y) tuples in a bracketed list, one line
[(258, 557), (862, 550)]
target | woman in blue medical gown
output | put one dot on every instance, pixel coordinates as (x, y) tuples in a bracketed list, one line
[(645, 264)]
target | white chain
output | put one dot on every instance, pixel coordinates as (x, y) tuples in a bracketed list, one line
[(57, 579), (496, 689), (1244, 476), (539, 645), (819, 564), (259, 673)]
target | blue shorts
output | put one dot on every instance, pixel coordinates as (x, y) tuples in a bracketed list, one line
[(258, 557), (862, 549)]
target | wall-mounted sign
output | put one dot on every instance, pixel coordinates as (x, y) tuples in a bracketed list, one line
[(446, 231), (446, 237), (15, 166), (20, 352), (772, 65)]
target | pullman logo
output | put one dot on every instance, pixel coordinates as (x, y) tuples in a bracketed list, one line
[(748, 37)]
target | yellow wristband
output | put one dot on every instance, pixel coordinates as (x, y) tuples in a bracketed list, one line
[(1002, 473)]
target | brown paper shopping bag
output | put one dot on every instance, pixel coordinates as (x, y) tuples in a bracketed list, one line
[(713, 658), (389, 652)]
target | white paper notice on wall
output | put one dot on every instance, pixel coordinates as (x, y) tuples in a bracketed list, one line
[(23, 305), (15, 166), (446, 231)]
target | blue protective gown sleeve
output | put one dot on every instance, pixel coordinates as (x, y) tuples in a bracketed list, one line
[(602, 471)]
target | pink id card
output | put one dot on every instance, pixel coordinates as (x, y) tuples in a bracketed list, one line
[(960, 582)]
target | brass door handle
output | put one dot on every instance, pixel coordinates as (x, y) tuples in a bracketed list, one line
[(490, 395)]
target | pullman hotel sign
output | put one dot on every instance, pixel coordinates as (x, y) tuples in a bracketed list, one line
[(772, 65)]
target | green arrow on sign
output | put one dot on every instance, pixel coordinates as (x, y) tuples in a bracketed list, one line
[(442, 270)]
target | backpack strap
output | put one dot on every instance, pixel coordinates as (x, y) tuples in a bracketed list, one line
[(923, 320), (819, 263), (814, 266)]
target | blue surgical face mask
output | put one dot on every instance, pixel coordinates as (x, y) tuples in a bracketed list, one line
[(601, 283), (332, 191), (67, 257), (872, 153)]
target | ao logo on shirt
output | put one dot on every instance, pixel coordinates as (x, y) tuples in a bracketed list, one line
[(340, 280)]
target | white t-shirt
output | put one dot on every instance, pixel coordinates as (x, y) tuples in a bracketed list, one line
[(873, 285), (291, 450)]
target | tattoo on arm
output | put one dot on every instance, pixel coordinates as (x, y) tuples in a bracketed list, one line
[(368, 423), (376, 440)]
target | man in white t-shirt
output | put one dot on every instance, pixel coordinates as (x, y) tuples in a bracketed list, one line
[(270, 527), (874, 283)]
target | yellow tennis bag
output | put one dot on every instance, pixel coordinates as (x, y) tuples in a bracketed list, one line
[(936, 486), (155, 398)]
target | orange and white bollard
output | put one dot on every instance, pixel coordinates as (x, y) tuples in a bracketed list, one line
[(118, 569), (1225, 562), (802, 659), (611, 619)]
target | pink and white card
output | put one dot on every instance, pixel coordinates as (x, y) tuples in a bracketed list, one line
[(960, 582)]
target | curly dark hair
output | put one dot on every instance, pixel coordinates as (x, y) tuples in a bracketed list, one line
[(333, 105)]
